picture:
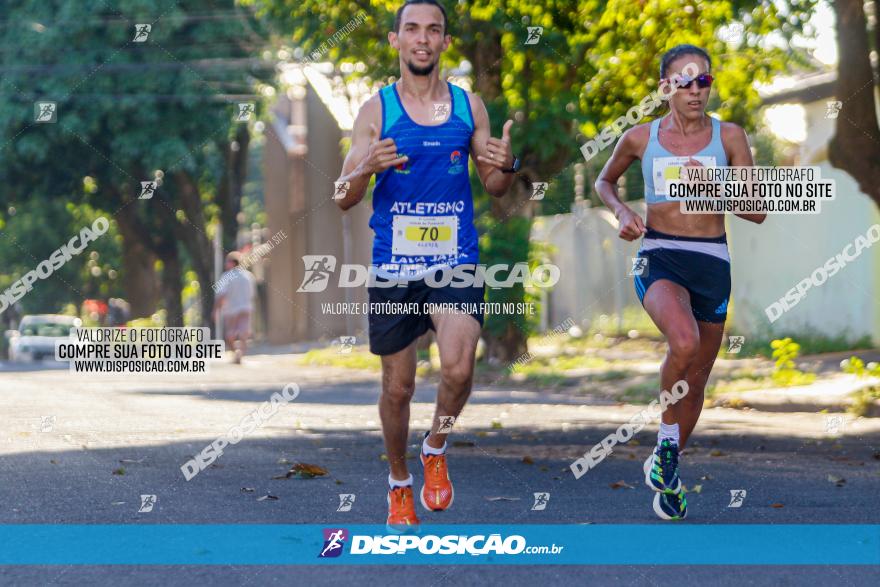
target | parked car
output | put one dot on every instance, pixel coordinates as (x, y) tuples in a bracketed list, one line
[(36, 335)]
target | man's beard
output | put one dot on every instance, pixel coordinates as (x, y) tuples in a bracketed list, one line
[(420, 70)]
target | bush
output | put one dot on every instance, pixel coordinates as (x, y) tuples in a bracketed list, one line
[(785, 372)]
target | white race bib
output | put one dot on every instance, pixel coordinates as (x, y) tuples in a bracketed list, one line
[(666, 168), (424, 235)]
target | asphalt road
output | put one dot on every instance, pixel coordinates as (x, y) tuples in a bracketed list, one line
[(82, 450)]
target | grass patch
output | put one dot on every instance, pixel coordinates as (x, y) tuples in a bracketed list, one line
[(641, 393), (632, 318), (810, 345), (612, 375), (358, 358), (752, 382), (738, 384), (547, 379), (558, 365)]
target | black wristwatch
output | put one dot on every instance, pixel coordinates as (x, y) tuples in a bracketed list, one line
[(515, 167)]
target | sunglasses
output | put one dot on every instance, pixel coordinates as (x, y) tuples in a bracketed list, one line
[(704, 80)]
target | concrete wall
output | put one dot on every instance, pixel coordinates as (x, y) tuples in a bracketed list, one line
[(767, 261), (772, 258), (594, 264)]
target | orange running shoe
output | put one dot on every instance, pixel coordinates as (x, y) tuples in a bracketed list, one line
[(401, 511), (437, 492)]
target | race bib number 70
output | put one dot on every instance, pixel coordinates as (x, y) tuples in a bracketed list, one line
[(424, 235)]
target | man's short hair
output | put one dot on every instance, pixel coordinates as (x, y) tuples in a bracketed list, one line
[(677, 52), (235, 257), (399, 15)]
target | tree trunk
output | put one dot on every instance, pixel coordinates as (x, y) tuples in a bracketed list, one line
[(855, 147), (229, 191), (139, 277), (194, 237), (506, 335), (160, 236), (171, 286)]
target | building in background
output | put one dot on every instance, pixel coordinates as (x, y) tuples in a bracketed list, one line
[(303, 158)]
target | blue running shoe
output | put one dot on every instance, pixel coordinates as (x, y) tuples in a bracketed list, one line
[(661, 468), (671, 505)]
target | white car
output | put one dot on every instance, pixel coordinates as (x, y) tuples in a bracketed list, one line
[(36, 335)]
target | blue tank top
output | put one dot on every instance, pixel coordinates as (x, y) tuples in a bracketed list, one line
[(423, 211), (658, 163)]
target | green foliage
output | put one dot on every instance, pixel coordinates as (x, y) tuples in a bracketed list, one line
[(856, 366), (505, 243), (864, 400), (785, 372), (33, 230), (157, 320), (124, 110), (192, 300)]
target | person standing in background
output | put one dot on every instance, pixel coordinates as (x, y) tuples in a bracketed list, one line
[(235, 304)]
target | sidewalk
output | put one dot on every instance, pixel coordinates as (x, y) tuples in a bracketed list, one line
[(830, 394)]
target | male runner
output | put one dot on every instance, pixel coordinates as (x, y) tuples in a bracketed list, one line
[(416, 136), (686, 285)]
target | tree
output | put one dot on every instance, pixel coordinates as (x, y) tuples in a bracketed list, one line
[(855, 147), (592, 61), (134, 105)]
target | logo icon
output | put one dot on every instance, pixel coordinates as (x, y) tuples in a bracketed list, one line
[(245, 109), (639, 265), (47, 423), (732, 33), (148, 188), (737, 497), (147, 503), (835, 424), (401, 168), (541, 500), (318, 271), (534, 35), (832, 109), (346, 500), (722, 308), (341, 189), (334, 540), (141, 32), (736, 343), (45, 112), (446, 423), (455, 164), (346, 343), (539, 189), (441, 111)]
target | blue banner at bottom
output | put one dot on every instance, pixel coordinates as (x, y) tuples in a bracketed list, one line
[(178, 544)]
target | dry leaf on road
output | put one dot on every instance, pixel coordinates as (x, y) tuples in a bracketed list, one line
[(621, 484), (303, 471)]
